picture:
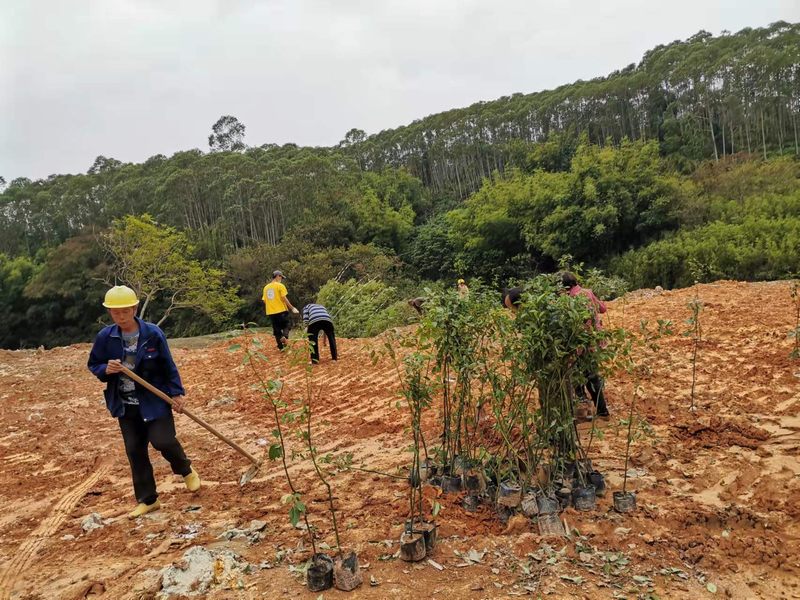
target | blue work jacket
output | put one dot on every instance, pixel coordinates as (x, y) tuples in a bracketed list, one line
[(153, 363)]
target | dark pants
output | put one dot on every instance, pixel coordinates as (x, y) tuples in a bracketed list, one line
[(313, 337), (161, 434), (280, 327), (595, 385)]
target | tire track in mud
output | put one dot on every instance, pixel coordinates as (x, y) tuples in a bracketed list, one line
[(14, 570)]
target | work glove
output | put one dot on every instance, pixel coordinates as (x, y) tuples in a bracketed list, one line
[(295, 311)]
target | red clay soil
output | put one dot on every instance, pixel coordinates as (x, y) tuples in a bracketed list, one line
[(718, 488)]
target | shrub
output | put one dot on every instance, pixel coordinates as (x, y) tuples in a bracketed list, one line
[(364, 309), (759, 248)]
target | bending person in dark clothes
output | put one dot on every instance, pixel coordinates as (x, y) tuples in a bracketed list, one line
[(512, 297), (317, 319)]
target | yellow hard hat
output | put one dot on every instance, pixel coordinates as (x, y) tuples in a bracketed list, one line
[(460, 281), (120, 296)]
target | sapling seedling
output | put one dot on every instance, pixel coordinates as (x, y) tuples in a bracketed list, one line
[(272, 391), (312, 451), (636, 392), (795, 293), (696, 332), (646, 344)]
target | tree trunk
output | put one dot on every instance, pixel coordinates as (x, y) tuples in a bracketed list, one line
[(722, 127), (747, 133), (711, 129)]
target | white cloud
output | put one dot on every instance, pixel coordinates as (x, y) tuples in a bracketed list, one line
[(133, 78)]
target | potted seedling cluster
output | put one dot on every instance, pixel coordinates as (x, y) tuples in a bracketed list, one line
[(504, 399)]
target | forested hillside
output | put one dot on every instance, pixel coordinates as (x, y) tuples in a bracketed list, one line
[(682, 167), (705, 97)]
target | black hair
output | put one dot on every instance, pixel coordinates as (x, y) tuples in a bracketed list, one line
[(513, 294), (568, 280)]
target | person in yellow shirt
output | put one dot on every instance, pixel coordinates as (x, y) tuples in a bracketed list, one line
[(463, 290), (277, 305)]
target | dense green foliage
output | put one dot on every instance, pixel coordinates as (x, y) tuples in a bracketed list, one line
[(689, 157), (743, 222), (610, 199), (157, 263)]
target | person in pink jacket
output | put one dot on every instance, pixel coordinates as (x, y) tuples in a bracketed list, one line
[(594, 383)]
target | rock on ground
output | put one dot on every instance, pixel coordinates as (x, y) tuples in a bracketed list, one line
[(199, 569), (92, 521)]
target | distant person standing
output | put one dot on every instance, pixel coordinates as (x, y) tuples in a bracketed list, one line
[(277, 306), (317, 319), (144, 418), (594, 383), (463, 290)]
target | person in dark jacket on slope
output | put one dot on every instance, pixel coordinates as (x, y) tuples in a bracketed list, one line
[(144, 418)]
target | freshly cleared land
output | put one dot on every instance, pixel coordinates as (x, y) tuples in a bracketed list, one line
[(718, 489)]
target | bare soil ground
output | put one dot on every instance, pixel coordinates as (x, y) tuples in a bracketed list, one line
[(718, 489)]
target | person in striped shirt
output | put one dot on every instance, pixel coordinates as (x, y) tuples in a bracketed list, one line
[(316, 319)]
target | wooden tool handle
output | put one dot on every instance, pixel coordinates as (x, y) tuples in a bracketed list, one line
[(189, 414)]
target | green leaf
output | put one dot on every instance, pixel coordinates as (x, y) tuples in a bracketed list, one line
[(234, 348), (275, 451), (711, 587)]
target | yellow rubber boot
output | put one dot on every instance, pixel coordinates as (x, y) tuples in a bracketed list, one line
[(143, 509), (192, 481)]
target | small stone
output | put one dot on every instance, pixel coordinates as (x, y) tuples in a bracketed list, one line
[(92, 521), (68, 537), (256, 525)]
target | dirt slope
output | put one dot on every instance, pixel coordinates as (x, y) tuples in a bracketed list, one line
[(719, 490)]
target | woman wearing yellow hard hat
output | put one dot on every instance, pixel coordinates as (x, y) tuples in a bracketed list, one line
[(143, 417), (463, 290)]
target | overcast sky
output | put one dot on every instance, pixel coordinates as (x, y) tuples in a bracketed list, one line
[(132, 78)]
